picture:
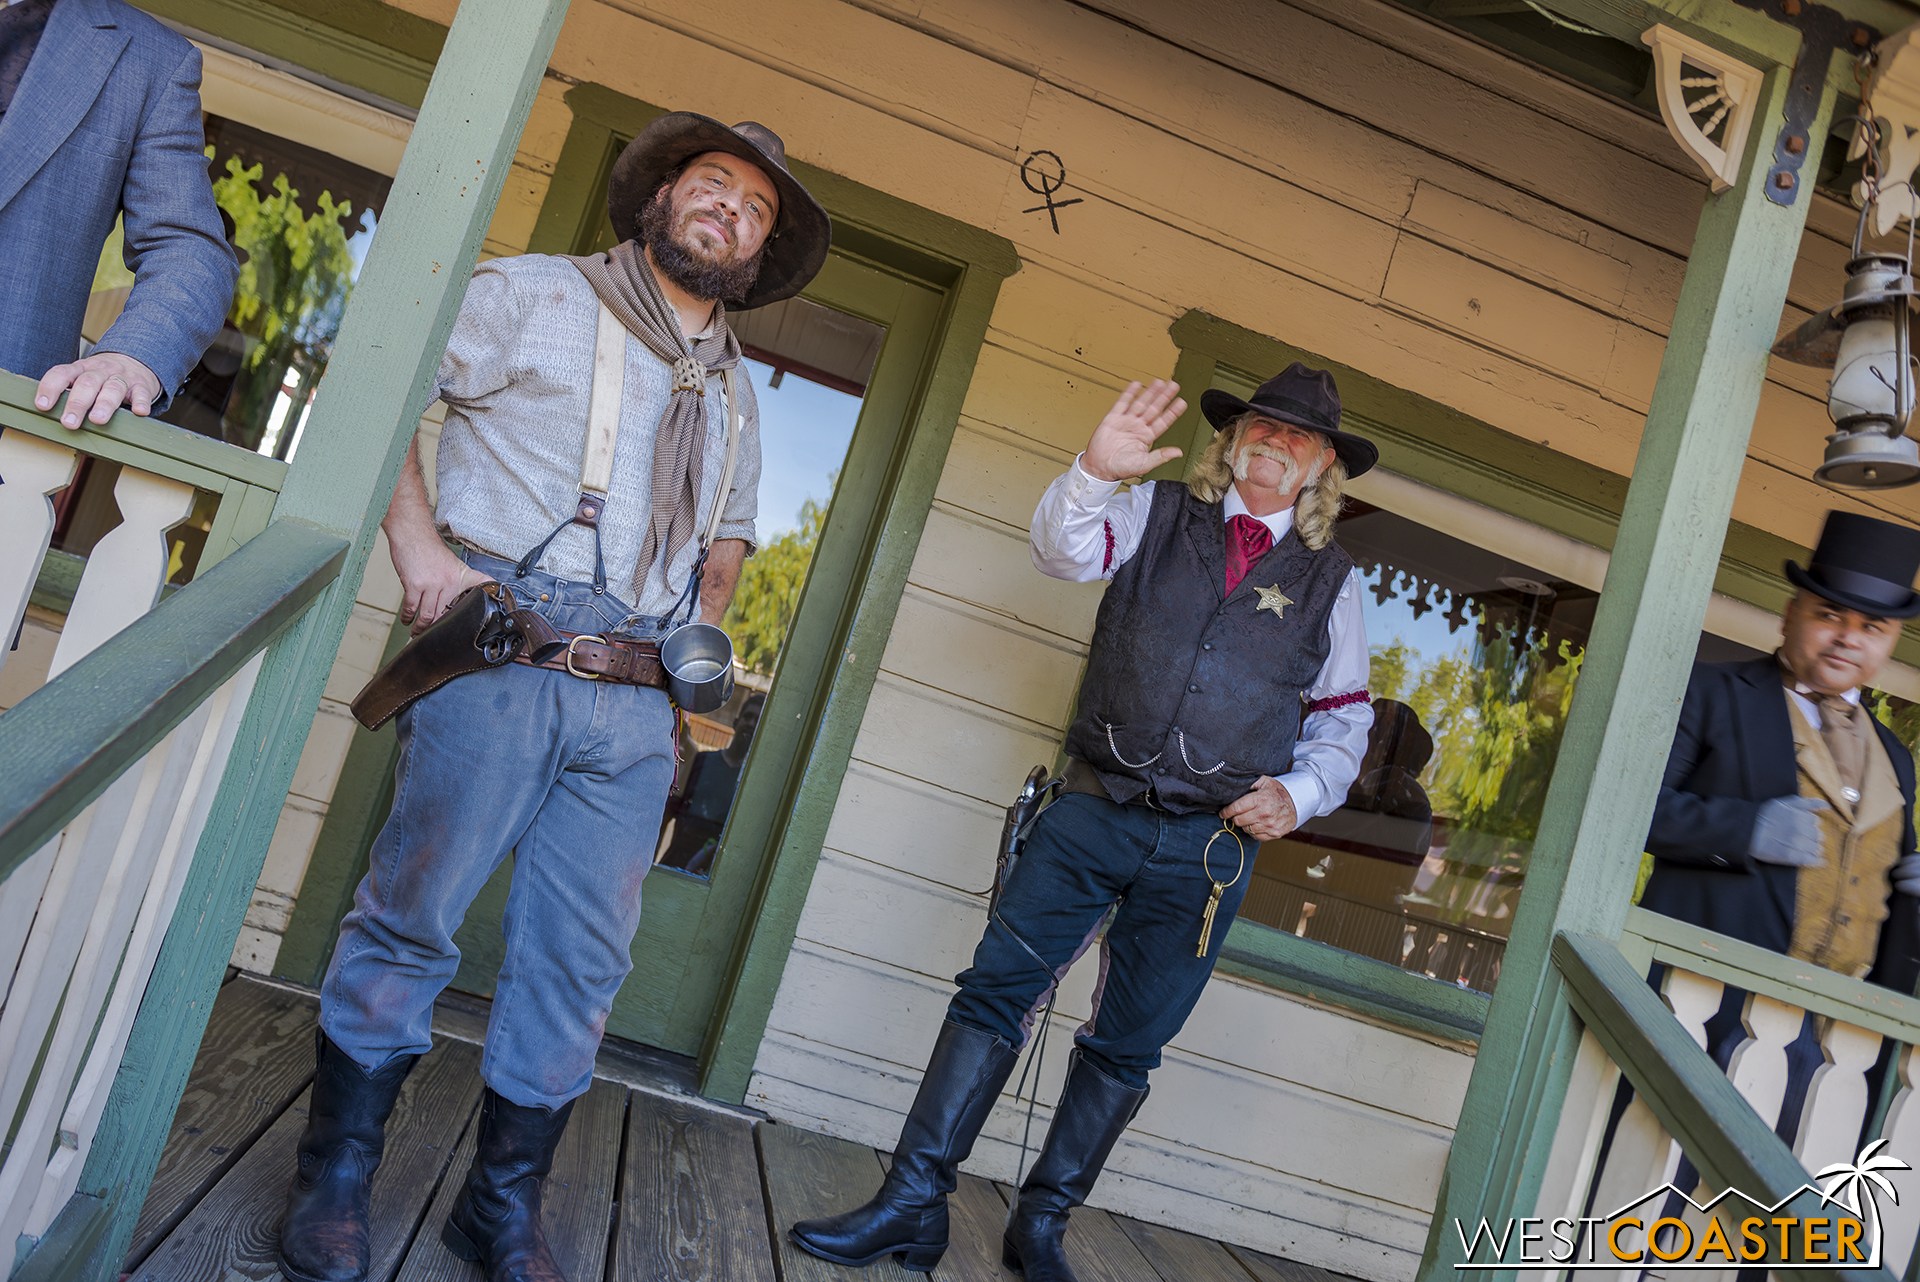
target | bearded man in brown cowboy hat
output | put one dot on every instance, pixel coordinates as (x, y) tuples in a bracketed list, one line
[(1224, 702), (566, 763)]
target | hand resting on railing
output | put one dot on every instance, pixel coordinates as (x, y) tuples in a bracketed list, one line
[(1787, 832)]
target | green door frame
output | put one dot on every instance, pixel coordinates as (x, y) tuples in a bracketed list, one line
[(933, 281)]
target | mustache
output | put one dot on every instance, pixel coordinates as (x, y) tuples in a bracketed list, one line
[(716, 223), (1294, 476)]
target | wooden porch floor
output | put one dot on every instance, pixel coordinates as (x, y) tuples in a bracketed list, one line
[(650, 1182)]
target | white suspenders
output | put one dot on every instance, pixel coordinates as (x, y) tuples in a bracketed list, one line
[(603, 432), (603, 420)]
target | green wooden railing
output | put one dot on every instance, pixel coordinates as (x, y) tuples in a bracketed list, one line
[(62, 745), (1701, 1108), (108, 716), (247, 483)]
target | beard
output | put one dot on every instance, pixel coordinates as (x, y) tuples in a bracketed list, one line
[(1295, 476), (663, 230)]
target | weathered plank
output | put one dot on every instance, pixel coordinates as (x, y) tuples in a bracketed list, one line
[(976, 1219), (1181, 1257), (234, 1233), (1099, 1250), (810, 1175), (1271, 1268), (427, 1259), (256, 1057), (691, 1209), (576, 1204)]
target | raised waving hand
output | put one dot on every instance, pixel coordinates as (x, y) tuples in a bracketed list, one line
[(1122, 445)]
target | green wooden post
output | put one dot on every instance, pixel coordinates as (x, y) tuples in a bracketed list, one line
[(377, 384), (1621, 724)]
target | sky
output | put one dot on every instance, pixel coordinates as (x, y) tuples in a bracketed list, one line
[(804, 430), (1394, 621)]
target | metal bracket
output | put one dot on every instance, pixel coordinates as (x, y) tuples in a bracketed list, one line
[(1822, 30)]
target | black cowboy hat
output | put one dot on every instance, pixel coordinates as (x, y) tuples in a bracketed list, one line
[(1301, 396), (795, 249), (1864, 564)]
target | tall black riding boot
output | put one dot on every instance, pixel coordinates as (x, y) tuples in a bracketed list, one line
[(908, 1216), (496, 1222), (326, 1235), (1094, 1110)]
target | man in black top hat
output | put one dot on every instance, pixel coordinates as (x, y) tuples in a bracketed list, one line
[(564, 762), (1224, 704), (1787, 808)]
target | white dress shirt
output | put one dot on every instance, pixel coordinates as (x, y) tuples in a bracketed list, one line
[(1085, 529)]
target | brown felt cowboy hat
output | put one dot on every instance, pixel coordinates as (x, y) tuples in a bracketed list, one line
[(797, 247), (1301, 396)]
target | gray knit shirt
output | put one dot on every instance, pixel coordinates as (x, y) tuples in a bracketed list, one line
[(517, 378)]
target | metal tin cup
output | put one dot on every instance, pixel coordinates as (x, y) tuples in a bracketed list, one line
[(698, 658)]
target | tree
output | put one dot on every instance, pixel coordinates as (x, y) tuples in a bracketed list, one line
[(292, 289), (769, 592)]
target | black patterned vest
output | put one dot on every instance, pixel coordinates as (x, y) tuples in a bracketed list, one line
[(1189, 693)]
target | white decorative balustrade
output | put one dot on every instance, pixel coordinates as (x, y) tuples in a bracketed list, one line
[(1591, 1174), (83, 917)]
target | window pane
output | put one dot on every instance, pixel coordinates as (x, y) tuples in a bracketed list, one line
[(1475, 657), (809, 366), (302, 221)]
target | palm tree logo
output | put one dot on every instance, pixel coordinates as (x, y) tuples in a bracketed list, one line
[(1851, 1185)]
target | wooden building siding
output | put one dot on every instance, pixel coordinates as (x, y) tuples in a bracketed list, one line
[(1340, 174)]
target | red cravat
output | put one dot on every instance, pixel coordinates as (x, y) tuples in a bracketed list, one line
[(1247, 541)]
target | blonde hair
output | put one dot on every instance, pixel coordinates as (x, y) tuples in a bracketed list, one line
[(1314, 511)]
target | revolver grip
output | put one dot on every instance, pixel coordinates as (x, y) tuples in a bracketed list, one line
[(542, 641)]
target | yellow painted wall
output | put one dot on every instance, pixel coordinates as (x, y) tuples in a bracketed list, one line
[(1340, 174)]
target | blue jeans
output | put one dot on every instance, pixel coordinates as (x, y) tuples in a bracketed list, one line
[(1086, 855), (571, 777)]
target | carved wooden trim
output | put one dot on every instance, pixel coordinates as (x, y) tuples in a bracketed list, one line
[(1725, 93)]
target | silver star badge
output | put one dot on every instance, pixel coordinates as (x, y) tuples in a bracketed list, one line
[(1273, 599)]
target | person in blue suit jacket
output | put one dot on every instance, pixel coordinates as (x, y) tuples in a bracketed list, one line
[(100, 116)]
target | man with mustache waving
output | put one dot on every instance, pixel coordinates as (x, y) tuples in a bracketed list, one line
[(1224, 704)]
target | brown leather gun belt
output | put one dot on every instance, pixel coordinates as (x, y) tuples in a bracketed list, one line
[(595, 658)]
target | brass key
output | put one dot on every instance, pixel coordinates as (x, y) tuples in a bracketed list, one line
[(1206, 918), (1219, 887)]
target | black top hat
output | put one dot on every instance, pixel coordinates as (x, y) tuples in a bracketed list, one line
[(795, 249), (1301, 396), (1864, 564)]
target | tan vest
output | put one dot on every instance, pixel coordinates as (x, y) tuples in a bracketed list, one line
[(1838, 908)]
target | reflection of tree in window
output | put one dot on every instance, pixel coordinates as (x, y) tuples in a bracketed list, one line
[(290, 295), (769, 591), (301, 220)]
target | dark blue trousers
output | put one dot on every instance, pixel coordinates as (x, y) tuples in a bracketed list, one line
[(1087, 859)]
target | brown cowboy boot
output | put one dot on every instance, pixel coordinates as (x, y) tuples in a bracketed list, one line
[(496, 1222), (326, 1235)]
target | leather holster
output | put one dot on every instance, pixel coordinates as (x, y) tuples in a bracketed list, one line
[(481, 629)]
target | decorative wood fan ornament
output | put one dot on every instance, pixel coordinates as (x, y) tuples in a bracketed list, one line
[(1707, 99)]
